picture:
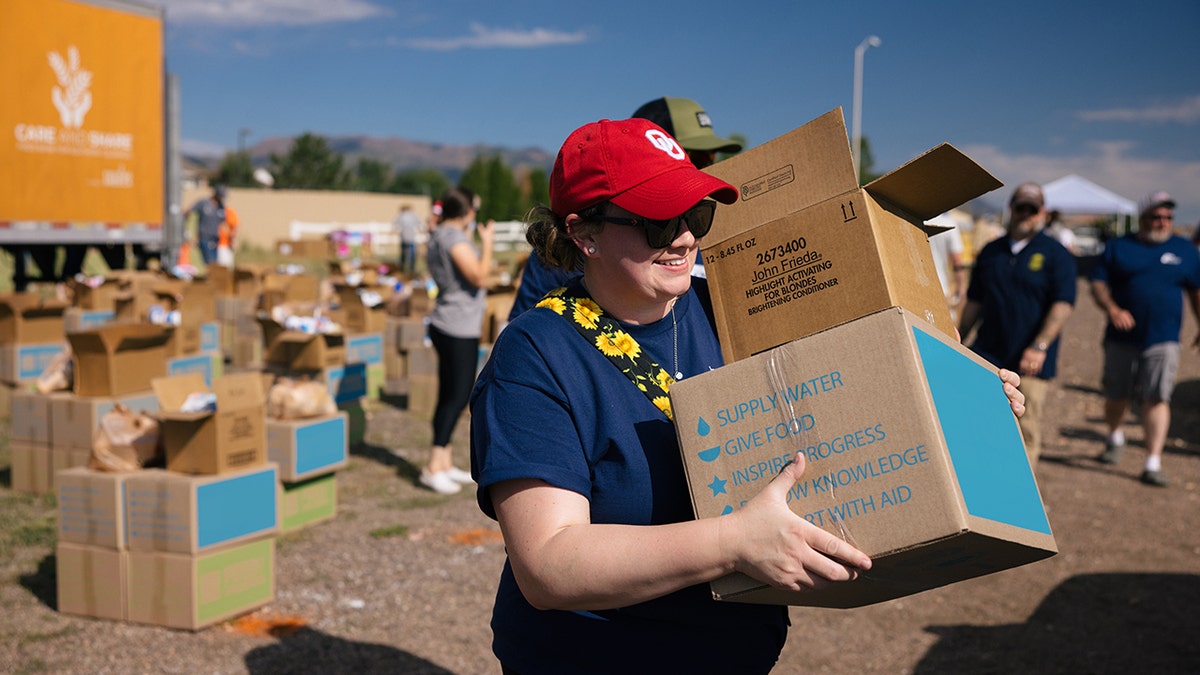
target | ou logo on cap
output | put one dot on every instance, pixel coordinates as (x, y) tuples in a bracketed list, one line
[(665, 143)]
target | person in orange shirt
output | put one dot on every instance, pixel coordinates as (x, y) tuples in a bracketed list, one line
[(226, 233)]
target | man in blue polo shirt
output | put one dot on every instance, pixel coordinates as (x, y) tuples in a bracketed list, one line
[(1022, 290), (1140, 282)]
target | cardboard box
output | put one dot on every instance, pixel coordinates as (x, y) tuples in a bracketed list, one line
[(120, 359), (913, 455), (29, 467), (303, 248), (191, 592), (31, 417), (27, 318), (299, 350), (101, 296), (181, 513), (91, 581), (307, 448), (210, 336), (24, 363), (76, 319), (204, 364), (405, 332), (66, 459), (359, 317), (365, 348), (232, 437), (74, 419), (91, 507), (307, 503), (805, 248)]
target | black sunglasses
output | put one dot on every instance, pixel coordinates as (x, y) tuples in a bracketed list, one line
[(660, 233)]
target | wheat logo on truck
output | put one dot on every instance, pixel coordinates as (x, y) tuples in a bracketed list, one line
[(72, 96)]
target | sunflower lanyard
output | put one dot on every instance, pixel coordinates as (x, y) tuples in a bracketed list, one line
[(616, 345)]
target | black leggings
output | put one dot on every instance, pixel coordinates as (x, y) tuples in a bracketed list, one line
[(457, 358)]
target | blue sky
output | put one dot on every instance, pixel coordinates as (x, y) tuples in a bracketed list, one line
[(1031, 90)]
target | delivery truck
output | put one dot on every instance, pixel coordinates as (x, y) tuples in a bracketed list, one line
[(89, 156)]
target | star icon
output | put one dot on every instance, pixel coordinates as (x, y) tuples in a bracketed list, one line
[(718, 486)]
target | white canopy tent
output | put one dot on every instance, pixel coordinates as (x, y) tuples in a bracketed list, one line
[(1075, 194)]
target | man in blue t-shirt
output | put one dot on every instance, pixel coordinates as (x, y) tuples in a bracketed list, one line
[(1139, 283), (1022, 290)]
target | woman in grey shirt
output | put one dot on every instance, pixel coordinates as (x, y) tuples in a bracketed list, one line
[(459, 268)]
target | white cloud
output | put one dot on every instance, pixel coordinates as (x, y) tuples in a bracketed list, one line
[(1186, 111), (1107, 164), (268, 12), (482, 37)]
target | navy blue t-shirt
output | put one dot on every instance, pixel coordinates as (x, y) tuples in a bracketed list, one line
[(548, 405), (1148, 281), (1017, 291)]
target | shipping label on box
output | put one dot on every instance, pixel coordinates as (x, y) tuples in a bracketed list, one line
[(346, 383), (77, 319), (307, 503), (210, 336), (194, 591), (912, 454), (74, 419), (91, 580), (23, 363), (181, 513), (91, 507), (203, 364), (308, 447), (805, 248), (364, 348), (227, 437)]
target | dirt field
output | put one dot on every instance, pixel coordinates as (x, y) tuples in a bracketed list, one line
[(402, 580)]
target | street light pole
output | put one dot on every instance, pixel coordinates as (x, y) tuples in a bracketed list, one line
[(856, 125)]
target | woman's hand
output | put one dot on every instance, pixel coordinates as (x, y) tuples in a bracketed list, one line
[(774, 545), (1016, 400)]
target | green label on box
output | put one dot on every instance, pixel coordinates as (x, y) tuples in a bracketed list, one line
[(308, 502), (233, 580)]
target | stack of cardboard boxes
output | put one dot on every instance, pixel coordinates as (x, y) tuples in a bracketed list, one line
[(188, 545), (839, 346)]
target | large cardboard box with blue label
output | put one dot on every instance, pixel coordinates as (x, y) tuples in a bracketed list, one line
[(805, 248), (308, 448), (178, 513), (913, 455)]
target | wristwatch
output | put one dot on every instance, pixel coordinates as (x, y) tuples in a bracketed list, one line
[(1041, 346)]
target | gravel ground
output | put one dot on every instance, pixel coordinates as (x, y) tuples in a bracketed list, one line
[(402, 580)]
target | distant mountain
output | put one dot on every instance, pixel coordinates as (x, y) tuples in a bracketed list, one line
[(400, 153)]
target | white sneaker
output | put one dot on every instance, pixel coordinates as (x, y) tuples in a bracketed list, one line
[(440, 482), (459, 476)]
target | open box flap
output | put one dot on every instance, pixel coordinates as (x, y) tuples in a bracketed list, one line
[(935, 182)]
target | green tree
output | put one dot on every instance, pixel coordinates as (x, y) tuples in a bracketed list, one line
[(235, 170), (537, 190), (429, 182), (310, 164), (866, 163), (491, 179), (372, 175)]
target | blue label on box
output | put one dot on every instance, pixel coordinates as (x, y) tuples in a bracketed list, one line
[(347, 383), (366, 348), (236, 507), (33, 359), (199, 363), (210, 336), (321, 445), (92, 319), (983, 438)]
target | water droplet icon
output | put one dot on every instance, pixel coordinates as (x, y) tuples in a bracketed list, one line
[(702, 428)]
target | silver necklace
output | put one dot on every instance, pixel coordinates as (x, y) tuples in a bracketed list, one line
[(675, 343)]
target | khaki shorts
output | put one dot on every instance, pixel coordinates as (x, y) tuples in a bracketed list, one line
[(1147, 375)]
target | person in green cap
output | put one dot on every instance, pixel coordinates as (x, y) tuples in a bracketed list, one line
[(691, 126)]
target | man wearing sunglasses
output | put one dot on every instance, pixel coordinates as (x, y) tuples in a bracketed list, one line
[(1140, 282), (691, 127), (1021, 292)]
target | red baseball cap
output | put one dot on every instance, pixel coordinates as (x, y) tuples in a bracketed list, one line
[(636, 165)]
